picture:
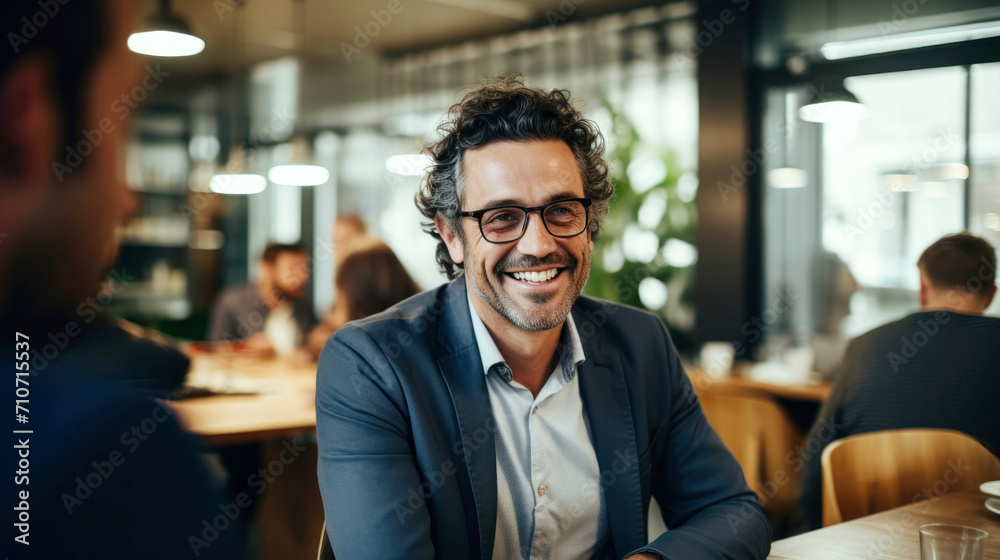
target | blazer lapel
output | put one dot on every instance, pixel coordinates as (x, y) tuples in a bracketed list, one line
[(462, 370), (606, 401)]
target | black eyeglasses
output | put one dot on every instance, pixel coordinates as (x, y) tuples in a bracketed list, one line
[(506, 224)]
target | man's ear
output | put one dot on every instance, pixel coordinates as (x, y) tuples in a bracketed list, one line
[(924, 291), (455, 247), (28, 132), (991, 292)]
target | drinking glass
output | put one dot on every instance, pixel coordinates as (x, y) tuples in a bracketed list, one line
[(952, 542)]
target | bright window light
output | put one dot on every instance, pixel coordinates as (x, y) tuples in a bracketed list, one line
[(905, 41), (165, 43)]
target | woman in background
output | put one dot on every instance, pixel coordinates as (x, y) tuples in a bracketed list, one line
[(369, 280)]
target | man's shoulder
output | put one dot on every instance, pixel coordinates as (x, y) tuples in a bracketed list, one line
[(242, 294), (599, 318), (414, 315)]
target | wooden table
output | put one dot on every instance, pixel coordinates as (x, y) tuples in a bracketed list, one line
[(892, 534), (284, 408), (290, 515), (816, 392)]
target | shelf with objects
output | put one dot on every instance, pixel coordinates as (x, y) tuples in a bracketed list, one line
[(168, 245)]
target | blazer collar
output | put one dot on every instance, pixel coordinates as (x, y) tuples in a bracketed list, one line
[(606, 402), (461, 368), (455, 329)]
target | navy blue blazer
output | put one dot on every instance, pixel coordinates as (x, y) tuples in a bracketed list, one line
[(407, 464)]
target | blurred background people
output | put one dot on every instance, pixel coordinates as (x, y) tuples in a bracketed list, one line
[(58, 216), (936, 368), (370, 279), (346, 229), (273, 314)]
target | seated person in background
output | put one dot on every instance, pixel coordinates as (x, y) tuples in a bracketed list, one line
[(503, 415), (273, 314), (369, 280), (936, 368), (107, 472)]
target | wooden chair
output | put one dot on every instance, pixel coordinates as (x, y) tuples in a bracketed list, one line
[(325, 548), (873, 472), (759, 434)]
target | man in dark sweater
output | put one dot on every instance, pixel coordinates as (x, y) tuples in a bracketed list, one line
[(93, 468), (272, 314), (936, 368)]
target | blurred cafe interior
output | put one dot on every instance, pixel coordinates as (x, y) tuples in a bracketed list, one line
[(806, 194)]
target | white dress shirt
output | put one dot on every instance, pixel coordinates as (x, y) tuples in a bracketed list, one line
[(550, 502)]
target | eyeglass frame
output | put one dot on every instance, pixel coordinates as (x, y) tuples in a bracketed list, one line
[(478, 215)]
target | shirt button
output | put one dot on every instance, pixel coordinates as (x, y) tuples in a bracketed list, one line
[(542, 489)]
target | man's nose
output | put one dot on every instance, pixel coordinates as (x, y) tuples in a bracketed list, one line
[(536, 241)]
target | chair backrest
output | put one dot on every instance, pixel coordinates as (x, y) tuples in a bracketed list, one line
[(325, 548), (759, 434), (873, 472)]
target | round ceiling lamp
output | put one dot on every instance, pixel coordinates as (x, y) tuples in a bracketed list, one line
[(165, 34), (832, 103), (299, 172)]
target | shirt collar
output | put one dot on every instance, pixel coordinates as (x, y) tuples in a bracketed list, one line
[(570, 348)]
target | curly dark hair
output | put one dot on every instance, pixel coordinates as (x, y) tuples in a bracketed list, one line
[(504, 109)]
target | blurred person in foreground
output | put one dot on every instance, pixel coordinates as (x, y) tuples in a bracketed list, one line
[(503, 415), (273, 314), (936, 368), (101, 471), (370, 279)]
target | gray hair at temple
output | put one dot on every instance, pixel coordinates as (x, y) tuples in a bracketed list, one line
[(505, 109)]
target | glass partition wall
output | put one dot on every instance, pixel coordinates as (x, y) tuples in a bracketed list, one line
[(842, 242)]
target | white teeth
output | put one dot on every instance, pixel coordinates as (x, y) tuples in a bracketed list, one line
[(536, 277)]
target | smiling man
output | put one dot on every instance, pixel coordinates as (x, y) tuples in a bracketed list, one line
[(504, 415)]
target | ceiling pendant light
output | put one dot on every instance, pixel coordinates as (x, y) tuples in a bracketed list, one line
[(787, 176), (165, 34), (237, 180), (299, 171), (827, 104)]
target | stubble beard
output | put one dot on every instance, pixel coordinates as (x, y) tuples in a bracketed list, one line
[(490, 287)]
